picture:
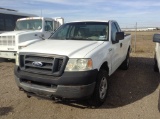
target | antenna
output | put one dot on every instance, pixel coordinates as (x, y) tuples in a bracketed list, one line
[(41, 12)]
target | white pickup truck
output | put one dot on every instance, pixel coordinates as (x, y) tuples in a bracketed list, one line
[(156, 38), (27, 31), (74, 62)]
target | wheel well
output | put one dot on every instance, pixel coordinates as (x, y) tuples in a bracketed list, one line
[(105, 66)]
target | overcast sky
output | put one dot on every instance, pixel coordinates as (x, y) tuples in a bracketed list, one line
[(125, 12)]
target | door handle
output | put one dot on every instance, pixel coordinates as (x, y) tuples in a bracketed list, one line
[(121, 44)]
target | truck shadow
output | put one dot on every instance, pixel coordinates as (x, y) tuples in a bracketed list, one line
[(132, 85), (7, 60), (159, 102)]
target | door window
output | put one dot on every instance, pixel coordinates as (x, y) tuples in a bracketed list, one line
[(48, 26), (113, 32), (119, 30)]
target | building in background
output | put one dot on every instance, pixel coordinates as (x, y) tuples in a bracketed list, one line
[(141, 29)]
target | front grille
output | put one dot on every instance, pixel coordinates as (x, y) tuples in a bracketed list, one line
[(7, 40), (43, 64), (48, 85)]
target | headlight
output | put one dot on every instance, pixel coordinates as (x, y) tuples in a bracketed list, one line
[(79, 65), (17, 59)]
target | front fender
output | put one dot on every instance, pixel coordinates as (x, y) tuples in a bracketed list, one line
[(29, 42), (101, 55)]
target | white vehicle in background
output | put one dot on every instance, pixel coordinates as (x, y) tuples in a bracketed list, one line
[(27, 31), (8, 18), (156, 38)]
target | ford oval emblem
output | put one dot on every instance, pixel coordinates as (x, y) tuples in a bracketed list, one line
[(37, 64)]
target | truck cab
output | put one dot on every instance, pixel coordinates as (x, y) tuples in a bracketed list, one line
[(27, 31)]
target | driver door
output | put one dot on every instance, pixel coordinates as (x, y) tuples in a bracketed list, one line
[(116, 49)]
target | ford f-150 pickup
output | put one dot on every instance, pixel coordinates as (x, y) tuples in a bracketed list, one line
[(75, 62)]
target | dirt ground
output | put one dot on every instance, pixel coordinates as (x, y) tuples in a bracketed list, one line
[(133, 94)]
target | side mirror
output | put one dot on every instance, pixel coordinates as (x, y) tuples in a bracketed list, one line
[(156, 38), (119, 36)]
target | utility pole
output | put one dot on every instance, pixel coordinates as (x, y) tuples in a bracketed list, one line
[(135, 40)]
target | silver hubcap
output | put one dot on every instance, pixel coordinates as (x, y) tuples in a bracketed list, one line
[(103, 88)]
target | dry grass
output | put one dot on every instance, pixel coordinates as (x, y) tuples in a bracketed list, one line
[(144, 43)]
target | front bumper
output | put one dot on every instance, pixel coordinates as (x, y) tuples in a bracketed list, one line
[(71, 85), (8, 54)]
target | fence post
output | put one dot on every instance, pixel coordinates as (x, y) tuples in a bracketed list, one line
[(135, 40)]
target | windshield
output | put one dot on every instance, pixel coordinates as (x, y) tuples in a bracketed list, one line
[(97, 31), (29, 24)]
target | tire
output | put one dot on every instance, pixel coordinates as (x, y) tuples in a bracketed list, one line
[(2, 59), (155, 65), (125, 64), (101, 89)]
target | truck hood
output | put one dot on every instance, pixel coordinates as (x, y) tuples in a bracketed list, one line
[(70, 48), (12, 33)]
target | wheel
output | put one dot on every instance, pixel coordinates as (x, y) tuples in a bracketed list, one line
[(101, 89), (125, 64), (155, 65)]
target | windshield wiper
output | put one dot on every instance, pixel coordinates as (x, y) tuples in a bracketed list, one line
[(73, 38)]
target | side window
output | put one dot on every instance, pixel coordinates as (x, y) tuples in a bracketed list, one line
[(119, 30), (2, 27), (48, 26), (113, 32)]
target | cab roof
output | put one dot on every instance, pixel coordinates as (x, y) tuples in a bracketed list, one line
[(27, 18), (90, 21)]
